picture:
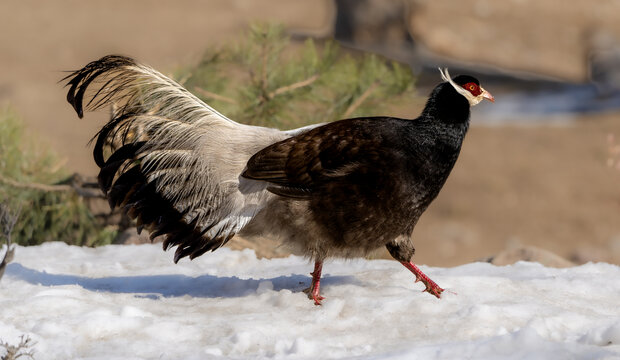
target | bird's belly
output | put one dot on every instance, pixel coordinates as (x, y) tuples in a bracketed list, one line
[(317, 233)]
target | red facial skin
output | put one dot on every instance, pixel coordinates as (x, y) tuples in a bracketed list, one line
[(472, 88)]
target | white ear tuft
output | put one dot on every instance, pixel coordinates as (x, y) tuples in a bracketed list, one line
[(473, 100), (445, 75)]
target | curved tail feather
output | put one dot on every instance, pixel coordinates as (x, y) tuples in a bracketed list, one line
[(169, 160)]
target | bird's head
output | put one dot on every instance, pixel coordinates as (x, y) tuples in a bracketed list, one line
[(468, 86)]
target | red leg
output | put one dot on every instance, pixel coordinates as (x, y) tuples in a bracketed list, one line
[(431, 286), (314, 291)]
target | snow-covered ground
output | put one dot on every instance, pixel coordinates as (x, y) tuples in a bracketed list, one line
[(132, 302)]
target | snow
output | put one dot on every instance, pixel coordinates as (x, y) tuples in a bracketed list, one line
[(133, 302)]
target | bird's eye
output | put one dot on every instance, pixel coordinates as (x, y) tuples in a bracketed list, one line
[(472, 87)]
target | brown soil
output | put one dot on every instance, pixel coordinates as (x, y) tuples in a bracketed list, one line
[(543, 186)]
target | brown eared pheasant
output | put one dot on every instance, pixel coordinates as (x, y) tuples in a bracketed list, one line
[(187, 173)]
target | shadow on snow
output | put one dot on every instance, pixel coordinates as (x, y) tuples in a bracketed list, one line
[(154, 286)]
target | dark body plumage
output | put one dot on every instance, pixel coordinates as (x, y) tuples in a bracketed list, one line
[(368, 180), (344, 189)]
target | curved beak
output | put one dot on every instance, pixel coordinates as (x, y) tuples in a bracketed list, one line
[(487, 95)]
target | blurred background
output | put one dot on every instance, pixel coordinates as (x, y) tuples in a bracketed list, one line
[(538, 174)]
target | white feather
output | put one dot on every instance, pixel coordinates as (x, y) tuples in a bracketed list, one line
[(473, 100), (193, 153)]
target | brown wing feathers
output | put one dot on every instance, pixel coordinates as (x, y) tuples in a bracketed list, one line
[(275, 164), (298, 166)]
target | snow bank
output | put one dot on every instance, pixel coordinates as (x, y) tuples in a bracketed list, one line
[(132, 302)]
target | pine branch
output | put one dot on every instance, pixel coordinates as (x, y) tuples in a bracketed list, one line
[(293, 86), (35, 186), (76, 184), (360, 100), (182, 80), (51, 209), (264, 77), (264, 96), (214, 96)]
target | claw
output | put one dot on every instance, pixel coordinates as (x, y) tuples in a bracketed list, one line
[(317, 300), (430, 286), (436, 291), (314, 295)]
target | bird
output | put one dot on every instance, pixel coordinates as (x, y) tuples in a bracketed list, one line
[(187, 173)]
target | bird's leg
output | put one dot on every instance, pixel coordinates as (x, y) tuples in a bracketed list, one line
[(314, 290), (431, 286)]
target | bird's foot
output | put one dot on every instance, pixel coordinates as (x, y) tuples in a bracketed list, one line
[(314, 294), (317, 298), (431, 286), (314, 291)]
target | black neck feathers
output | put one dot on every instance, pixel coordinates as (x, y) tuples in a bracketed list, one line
[(446, 105)]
